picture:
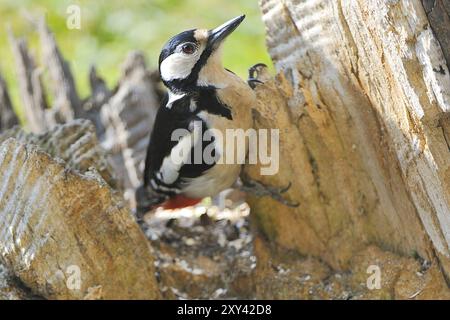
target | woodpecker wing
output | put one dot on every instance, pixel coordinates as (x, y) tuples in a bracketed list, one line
[(177, 135)]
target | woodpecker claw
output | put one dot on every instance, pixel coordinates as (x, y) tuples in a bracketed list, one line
[(254, 74), (255, 69), (253, 82), (260, 189), (283, 190)]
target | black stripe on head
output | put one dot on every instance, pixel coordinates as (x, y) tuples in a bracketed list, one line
[(188, 84), (174, 42)]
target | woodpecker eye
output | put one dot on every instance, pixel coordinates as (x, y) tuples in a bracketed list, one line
[(188, 48)]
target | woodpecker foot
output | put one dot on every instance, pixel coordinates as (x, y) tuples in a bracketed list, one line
[(259, 189), (254, 74), (146, 200)]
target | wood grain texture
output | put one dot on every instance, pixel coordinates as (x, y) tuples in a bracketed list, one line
[(8, 118), (360, 108), (128, 118), (438, 13), (74, 142), (66, 104), (54, 219), (30, 86)]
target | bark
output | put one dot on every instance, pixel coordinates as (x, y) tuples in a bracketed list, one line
[(123, 117), (30, 85), (10, 288), (100, 95), (128, 118), (67, 104), (438, 13), (8, 118), (61, 202), (67, 234), (74, 142), (362, 100)]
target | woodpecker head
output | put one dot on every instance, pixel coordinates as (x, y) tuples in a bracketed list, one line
[(191, 58)]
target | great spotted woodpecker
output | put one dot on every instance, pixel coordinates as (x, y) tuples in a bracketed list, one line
[(202, 94)]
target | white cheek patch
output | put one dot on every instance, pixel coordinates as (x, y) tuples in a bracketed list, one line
[(178, 65)]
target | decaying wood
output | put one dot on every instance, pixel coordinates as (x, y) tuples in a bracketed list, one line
[(99, 90), (74, 142), (31, 91), (8, 118), (362, 102), (438, 13), (128, 118), (360, 108), (67, 104), (11, 288), (284, 275), (57, 224), (100, 95), (123, 117)]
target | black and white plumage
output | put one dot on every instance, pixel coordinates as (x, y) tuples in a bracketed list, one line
[(202, 94)]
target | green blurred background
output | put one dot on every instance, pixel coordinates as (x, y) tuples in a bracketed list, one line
[(111, 28)]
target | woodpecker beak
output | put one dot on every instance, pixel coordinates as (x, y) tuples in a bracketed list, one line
[(217, 35)]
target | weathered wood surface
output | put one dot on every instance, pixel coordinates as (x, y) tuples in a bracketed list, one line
[(61, 202), (128, 119), (438, 13), (57, 224), (123, 117), (74, 142), (66, 104), (30, 86), (362, 103), (10, 288), (8, 118), (100, 95)]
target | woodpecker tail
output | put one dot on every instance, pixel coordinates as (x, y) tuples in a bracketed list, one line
[(179, 201), (146, 200)]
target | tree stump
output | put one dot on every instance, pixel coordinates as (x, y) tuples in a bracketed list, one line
[(362, 101)]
